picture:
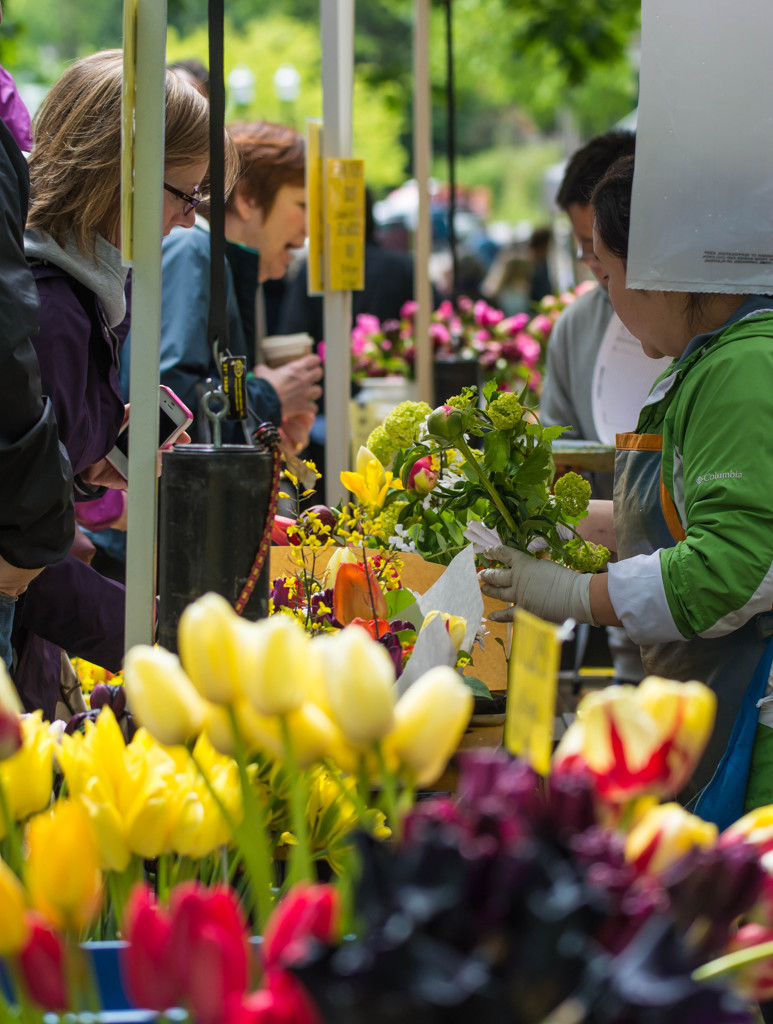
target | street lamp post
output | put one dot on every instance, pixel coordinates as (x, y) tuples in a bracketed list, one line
[(287, 86)]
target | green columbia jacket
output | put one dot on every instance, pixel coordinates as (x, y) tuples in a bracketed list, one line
[(714, 409)]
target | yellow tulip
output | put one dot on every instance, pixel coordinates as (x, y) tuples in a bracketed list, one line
[(339, 557), (27, 776), (278, 665), (63, 877), (14, 930), (210, 637), (756, 828), (664, 835), (430, 718), (161, 696), (195, 832), (9, 697), (456, 626), (360, 677), (108, 825)]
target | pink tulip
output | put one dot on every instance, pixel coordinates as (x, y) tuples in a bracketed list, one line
[(144, 964), (422, 478)]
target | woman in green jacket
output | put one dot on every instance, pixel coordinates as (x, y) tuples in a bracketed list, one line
[(692, 516)]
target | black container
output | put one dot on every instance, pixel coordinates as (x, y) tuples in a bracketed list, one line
[(213, 505), (454, 373)]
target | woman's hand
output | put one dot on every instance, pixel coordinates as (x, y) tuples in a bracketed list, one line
[(599, 524), (102, 474)]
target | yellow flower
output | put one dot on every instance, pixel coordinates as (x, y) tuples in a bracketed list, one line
[(276, 665), (210, 638), (430, 718), (371, 482), (161, 695), (14, 930), (360, 677), (27, 776), (63, 877), (664, 835), (9, 698), (456, 626)]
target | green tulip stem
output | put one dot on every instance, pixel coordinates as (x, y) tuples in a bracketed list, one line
[(301, 867), (736, 961), (464, 448), (14, 856), (250, 834), (389, 788)]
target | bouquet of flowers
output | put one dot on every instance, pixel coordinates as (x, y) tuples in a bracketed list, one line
[(511, 350)]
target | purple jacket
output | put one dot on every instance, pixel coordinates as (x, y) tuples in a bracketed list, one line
[(70, 605)]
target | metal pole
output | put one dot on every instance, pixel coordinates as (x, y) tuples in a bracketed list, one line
[(422, 154), (146, 321), (451, 142), (337, 18)]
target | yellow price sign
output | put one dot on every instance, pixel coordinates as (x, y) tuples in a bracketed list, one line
[(345, 234), (532, 687)]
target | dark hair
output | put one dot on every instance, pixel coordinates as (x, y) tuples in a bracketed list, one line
[(194, 72), (590, 163), (611, 200), (272, 155)]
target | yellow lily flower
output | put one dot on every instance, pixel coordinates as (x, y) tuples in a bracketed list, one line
[(211, 639), (430, 718), (161, 695), (63, 877), (14, 930), (371, 482)]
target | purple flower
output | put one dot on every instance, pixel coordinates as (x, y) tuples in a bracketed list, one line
[(394, 649)]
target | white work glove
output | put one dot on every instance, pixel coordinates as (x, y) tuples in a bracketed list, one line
[(550, 591)]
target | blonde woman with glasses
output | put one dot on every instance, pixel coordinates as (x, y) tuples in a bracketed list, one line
[(73, 246)]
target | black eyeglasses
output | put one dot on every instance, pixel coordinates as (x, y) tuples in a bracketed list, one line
[(191, 202)]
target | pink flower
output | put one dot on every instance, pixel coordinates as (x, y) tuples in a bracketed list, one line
[(481, 337), (528, 348), (408, 310), (513, 324), (464, 304), (566, 298), (359, 341), (541, 326), (422, 478), (368, 323), (585, 286), (445, 310), (321, 351), (439, 334), (485, 315)]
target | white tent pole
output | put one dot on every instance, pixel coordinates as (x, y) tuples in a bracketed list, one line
[(337, 20), (146, 321), (422, 152)]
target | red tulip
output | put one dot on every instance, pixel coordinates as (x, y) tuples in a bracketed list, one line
[(374, 627), (307, 912), (357, 594), (145, 962), (42, 963), (279, 531), (208, 949)]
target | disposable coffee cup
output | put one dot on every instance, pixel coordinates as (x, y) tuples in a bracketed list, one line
[(284, 348)]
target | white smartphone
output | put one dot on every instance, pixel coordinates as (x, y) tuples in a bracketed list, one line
[(173, 417)]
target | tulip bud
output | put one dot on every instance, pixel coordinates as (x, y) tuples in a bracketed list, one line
[(9, 698), (446, 422), (161, 696), (357, 594), (360, 678), (210, 639), (664, 835), (456, 626), (42, 963), (14, 929), (339, 557), (277, 664), (10, 733), (430, 718), (422, 478)]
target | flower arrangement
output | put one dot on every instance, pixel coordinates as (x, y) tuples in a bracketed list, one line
[(523, 899), (511, 350)]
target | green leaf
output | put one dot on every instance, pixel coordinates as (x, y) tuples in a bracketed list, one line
[(397, 601), (477, 686), (497, 450), (489, 388), (549, 434), (535, 469)]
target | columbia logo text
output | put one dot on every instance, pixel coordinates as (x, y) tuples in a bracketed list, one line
[(732, 475)]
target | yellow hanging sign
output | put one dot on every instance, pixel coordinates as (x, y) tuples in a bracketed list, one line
[(315, 207), (345, 216), (532, 687)]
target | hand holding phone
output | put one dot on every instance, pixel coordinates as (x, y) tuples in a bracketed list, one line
[(173, 417)]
